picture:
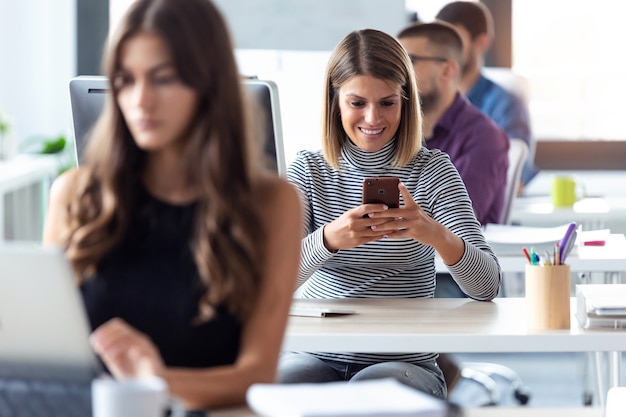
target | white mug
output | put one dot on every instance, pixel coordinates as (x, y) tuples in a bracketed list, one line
[(147, 397)]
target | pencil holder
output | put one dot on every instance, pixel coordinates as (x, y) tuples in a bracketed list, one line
[(548, 296)]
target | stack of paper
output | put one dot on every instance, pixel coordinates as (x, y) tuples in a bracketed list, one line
[(509, 240), (601, 305), (373, 398)]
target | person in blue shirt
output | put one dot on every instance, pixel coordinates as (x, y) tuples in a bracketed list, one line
[(475, 25)]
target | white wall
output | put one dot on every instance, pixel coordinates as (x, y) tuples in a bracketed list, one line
[(306, 25), (300, 78), (37, 59)]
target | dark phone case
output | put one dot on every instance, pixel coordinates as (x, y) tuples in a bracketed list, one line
[(381, 190)]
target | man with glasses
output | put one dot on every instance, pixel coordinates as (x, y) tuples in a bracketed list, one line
[(476, 145), (474, 23)]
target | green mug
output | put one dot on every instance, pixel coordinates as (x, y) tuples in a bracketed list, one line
[(564, 191)]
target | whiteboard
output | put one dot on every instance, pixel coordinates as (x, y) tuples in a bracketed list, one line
[(307, 25)]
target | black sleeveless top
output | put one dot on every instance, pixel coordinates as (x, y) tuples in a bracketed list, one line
[(151, 281)]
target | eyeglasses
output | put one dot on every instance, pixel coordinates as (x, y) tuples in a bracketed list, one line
[(417, 58)]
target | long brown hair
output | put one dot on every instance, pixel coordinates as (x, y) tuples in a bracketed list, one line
[(375, 53), (228, 238)]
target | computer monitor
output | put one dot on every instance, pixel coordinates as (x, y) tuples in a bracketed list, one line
[(88, 93)]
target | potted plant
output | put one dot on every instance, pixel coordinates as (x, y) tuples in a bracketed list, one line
[(4, 134)]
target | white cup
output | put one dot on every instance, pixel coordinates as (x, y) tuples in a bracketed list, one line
[(148, 397)]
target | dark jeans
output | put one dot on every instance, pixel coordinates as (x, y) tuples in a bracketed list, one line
[(298, 367), (447, 287)]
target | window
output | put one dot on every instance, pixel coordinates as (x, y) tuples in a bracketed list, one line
[(569, 52)]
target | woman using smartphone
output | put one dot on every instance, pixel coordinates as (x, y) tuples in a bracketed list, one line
[(372, 128)]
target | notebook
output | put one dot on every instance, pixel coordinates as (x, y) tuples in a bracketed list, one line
[(44, 347)]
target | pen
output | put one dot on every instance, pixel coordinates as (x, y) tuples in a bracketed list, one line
[(567, 243), (547, 261), (527, 255), (569, 246), (533, 256)]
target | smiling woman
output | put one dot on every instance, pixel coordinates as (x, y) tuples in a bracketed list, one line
[(372, 128), (370, 111)]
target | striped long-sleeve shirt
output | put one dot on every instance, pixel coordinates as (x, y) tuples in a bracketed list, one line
[(387, 268)]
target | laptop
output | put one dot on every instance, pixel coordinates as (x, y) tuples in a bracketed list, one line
[(88, 94), (45, 357)]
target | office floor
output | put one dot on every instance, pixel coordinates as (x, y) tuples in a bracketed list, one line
[(553, 379)]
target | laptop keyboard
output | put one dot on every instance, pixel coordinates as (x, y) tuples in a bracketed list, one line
[(19, 398)]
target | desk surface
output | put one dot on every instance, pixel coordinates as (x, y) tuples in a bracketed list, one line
[(609, 258), (471, 412), (24, 170), (438, 325), (592, 213)]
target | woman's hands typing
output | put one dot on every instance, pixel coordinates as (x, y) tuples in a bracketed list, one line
[(125, 351)]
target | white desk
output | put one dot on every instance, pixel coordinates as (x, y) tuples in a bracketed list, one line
[(534, 412), (591, 213), (606, 259), (518, 264), (470, 412), (18, 174), (443, 325), (437, 325), (608, 262), (609, 210)]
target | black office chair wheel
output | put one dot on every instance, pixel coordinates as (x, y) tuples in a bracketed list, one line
[(522, 395)]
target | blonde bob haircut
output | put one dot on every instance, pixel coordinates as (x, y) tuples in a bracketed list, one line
[(377, 54)]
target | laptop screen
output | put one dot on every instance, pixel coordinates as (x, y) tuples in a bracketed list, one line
[(44, 328), (88, 94)]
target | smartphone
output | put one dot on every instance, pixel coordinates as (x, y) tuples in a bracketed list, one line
[(381, 190)]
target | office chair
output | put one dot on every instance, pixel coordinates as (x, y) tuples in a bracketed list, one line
[(486, 374), (519, 86), (518, 150)]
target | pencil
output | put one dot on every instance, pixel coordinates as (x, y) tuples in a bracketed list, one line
[(557, 259)]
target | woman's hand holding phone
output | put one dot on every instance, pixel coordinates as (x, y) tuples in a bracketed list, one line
[(354, 227), (412, 222), (381, 190), (372, 221)]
